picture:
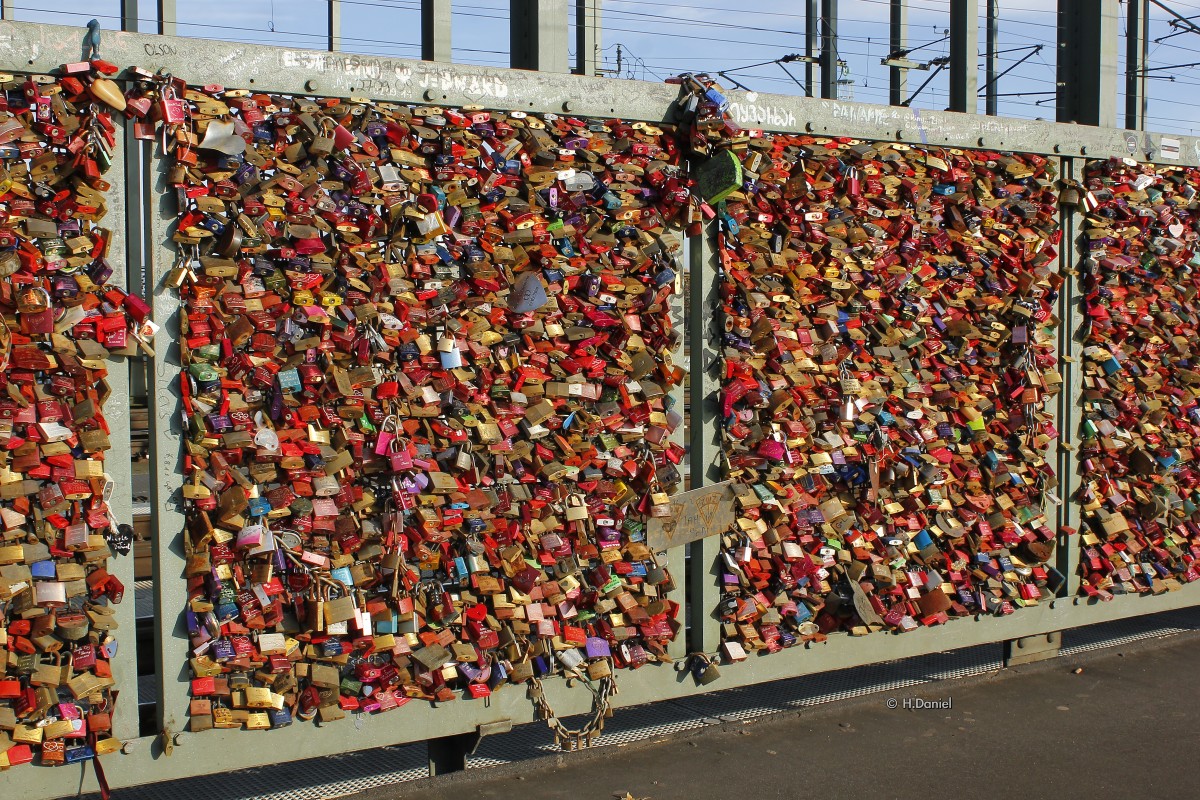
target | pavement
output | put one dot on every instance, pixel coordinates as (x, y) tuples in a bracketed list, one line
[(1095, 724)]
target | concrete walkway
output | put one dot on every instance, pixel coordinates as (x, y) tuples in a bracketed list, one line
[(1127, 721)]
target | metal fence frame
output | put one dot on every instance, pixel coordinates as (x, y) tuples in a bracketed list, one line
[(146, 212)]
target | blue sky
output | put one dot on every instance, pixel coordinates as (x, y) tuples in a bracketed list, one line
[(661, 39)]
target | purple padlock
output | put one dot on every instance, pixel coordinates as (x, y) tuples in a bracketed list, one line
[(597, 647)]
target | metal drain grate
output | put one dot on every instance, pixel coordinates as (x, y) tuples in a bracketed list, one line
[(1125, 631), (143, 599), (147, 690), (664, 719), (317, 779), (751, 702), (337, 776), (628, 725)]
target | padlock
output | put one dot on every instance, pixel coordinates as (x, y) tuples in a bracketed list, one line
[(172, 110)]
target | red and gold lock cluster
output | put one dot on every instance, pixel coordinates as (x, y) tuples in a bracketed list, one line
[(1141, 383), (61, 323), (889, 340), (427, 376)]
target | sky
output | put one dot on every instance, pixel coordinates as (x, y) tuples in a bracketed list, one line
[(660, 39)]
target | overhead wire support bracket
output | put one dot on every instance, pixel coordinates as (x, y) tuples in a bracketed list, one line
[(1033, 49), (940, 64)]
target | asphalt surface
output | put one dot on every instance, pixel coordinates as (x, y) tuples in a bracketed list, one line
[(1125, 722)]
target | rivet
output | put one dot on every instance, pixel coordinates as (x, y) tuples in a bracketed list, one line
[(429, 94), (310, 86), (568, 106)]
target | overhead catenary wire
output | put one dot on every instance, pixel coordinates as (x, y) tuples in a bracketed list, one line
[(777, 25)]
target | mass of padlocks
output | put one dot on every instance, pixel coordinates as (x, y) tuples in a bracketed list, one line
[(61, 320), (889, 343), (427, 382), (1141, 419), (427, 372)]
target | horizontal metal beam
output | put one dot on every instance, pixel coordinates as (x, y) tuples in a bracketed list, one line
[(29, 46)]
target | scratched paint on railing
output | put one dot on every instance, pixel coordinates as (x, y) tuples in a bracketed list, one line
[(770, 116), (385, 75)]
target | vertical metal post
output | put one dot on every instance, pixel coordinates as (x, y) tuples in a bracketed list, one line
[(335, 26), (1067, 418), (810, 44), (588, 34), (137, 165), (6, 9), (898, 78), (129, 15), (1087, 62), (705, 451), (964, 55), (435, 31), (129, 206), (166, 451), (117, 460), (829, 49), (538, 35), (1137, 32), (168, 16), (676, 557), (993, 24)]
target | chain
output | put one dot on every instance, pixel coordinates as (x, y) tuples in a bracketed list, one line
[(575, 738)]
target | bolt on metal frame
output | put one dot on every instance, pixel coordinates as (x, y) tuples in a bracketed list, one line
[(26, 47)]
